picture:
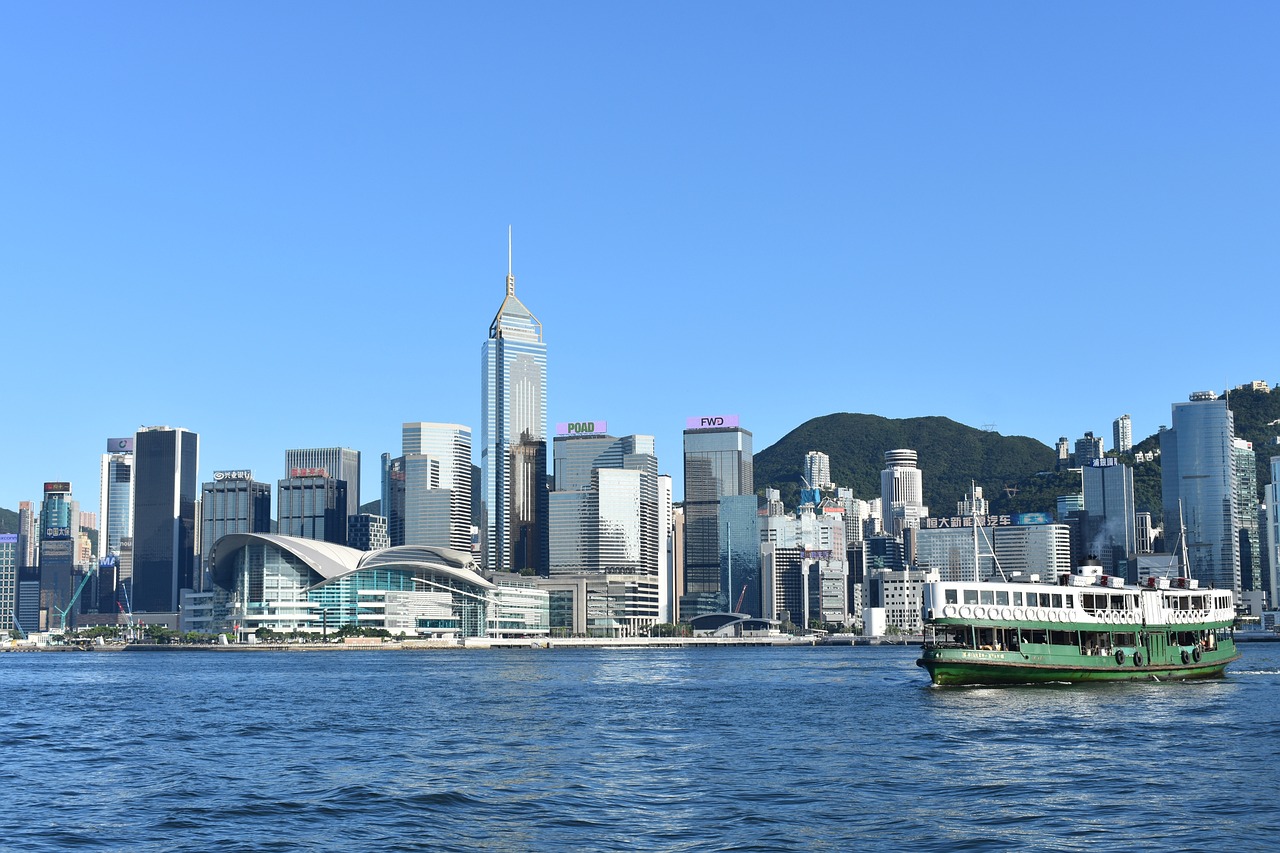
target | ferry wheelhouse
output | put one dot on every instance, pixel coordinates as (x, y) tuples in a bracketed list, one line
[(1087, 627)]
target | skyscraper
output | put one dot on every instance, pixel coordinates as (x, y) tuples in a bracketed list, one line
[(1122, 434), (717, 464), (59, 527), (339, 463), (437, 496), (232, 503), (116, 496), (166, 462), (817, 469), (513, 438), (1110, 533), (901, 492), (8, 581), (1272, 536), (311, 505), (1247, 524), (605, 511), (1197, 470)]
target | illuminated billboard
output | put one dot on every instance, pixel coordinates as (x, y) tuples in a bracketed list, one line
[(57, 487), (120, 445), (219, 476), (308, 472)]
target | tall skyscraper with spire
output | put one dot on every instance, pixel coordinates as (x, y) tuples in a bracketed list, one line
[(513, 449)]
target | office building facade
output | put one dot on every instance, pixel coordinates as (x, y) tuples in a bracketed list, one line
[(311, 505), (1122, 434), (233, 502), (8, 581), (513, 439), (1110, 531), (1197, 460), (165, 487), (1248, 528), (340, 463), (717, 464), (59, 529), (1272, 534), (437, 485), (901, 492)]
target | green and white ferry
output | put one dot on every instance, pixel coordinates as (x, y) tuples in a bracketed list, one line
[(1086, 627)]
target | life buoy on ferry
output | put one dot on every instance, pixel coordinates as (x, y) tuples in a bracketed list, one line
[(1195, 654), (1017, 613), (1186, 656), (979, 612), (1004, 613), (965, 611), (1120, 656), (949, 611)]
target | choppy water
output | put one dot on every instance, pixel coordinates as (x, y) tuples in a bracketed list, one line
[(686, 750)]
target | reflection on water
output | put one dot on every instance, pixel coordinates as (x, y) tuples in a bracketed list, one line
[(667, 749)]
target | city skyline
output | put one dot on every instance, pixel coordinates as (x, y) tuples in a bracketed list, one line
[(1040, 178)]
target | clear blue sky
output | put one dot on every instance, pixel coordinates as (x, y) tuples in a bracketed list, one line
[(284, 224)]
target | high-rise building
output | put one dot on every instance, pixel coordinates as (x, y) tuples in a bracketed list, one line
[(8, 581), (901, 492), (27, 534), (393, 480), (1122, 434), (1087, 449), (233, 502), (310, 505), (1198, 485), (339, 463), (1110, 532), (717, 464), (1247, 527), (367, 532), (115, 500), (165, 489), (817, 470), (605, 508), (513, 439), (437, 485), (1273, 530), (58, 530)]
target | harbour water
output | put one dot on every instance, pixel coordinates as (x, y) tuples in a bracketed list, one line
[(844, 748)]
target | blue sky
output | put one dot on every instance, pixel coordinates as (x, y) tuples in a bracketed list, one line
[(284, 224)]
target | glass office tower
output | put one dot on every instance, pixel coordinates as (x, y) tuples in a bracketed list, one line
[(164, 517), (1197, 471), (513, 451), (717, 464), (437, 496)]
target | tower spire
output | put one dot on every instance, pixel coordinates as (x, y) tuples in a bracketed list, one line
[(511, 279)]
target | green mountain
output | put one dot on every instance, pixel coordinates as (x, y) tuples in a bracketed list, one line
[(951, 454), (8, 521)]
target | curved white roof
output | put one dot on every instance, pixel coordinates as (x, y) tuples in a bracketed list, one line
[(332, 561)]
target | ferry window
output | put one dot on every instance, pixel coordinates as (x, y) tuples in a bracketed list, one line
[(1125, 639), (952, 598), (987, 597), (1002, 596), (970, 596), (1017, 599), (1086, 601), (1032, 600), (1070, 602), (1117, 602), (1057, 599)]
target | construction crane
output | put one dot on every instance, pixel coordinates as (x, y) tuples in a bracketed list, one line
[(72, 603), (737, 608)]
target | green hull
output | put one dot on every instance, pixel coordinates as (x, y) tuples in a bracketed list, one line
[(949, 668)]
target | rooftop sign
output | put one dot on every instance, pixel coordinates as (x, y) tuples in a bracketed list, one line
[(711, 422), (232, 475), (57, 487), (120, 445), (308, 472), (583, 428)]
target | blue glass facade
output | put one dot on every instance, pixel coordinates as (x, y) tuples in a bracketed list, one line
[(1197, 465), (513, 440)]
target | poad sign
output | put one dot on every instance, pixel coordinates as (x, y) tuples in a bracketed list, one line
[(583, 428)]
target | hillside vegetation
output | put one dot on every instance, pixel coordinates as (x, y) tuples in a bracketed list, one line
[(951, 455)]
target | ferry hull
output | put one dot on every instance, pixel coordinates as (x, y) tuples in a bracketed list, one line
[(956, 671)]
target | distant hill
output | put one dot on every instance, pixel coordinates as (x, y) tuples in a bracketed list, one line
[(950, 453), (8, 521)]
